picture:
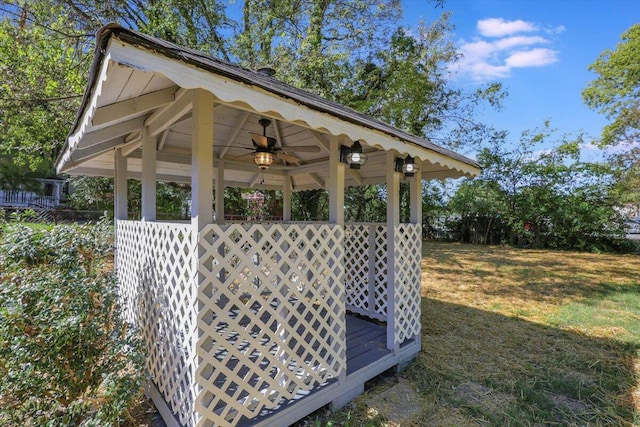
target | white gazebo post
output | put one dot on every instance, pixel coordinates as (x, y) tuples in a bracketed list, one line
[(336, 183), (286, 198), (120, 188), (219, 191), (415, 195), (202, 160), (120, 196), (149, 154), (415, 192), (336, 216), (393, 219), (202, 119)]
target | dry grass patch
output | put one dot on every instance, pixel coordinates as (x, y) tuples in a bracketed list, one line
[(528, 337), (530, 284), (515, 337)]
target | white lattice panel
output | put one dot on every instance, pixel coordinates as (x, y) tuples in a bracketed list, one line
[(407, 257), (380, 266), (157, 289), (357, 265), (271, 319)]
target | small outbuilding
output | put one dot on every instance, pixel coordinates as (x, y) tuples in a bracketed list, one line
[(252, 323)]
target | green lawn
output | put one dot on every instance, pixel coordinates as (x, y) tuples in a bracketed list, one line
[(522, 338)]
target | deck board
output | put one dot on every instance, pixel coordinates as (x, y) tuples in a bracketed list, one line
[(366, 343)]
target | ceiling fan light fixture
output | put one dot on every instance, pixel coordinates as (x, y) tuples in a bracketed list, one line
[(263, 159)]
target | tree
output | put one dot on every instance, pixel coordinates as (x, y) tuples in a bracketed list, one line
[(616, 94), (407, 84), (544, 198), (616, 91), (42, 75)]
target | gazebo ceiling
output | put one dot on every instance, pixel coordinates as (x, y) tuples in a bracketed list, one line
[(142, 85)]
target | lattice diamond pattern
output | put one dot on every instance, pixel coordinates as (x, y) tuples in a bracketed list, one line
[(407, 257), (380, 266), (356, 264), (155, 272), (271, 318)]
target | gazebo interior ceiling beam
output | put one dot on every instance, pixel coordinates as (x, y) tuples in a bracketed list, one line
[(109, 133), (320, 139), (235, 133), (279, 138), (130, 147), (163, 139), (317, 179), (96, 150), (355, 175), (134, 106), (254, 180), (168, 115)]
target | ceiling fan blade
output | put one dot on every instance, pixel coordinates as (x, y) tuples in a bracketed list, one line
[(302, 148), (244, 156), (260, 141), (289, 159)]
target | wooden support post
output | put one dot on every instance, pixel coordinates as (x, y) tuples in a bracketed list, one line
[(336, 216), (220, 192), (415, 195), (336, 183), (393, 218), (286, 198), (120, 187), (202, 160), (149, 154)]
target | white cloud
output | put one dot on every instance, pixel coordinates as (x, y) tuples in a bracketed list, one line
[(517, 41), (557, 30), (498, 27), (497, 50), (532, 58)]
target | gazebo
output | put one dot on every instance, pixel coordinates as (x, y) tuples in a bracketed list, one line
[(252, 323)]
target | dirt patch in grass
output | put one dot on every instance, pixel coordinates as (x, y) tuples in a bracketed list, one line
[(398, 404)]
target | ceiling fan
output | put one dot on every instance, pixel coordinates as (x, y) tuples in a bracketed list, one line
[(265, 149)]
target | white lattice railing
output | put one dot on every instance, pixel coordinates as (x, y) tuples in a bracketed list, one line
[(272, 316), (366, 269), (406, 264), (262, 320), (157, 290), (366, 277)]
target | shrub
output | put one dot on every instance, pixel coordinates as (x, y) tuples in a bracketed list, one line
[(66, 357)]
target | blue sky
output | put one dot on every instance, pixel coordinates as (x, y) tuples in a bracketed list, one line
[(538, 49)]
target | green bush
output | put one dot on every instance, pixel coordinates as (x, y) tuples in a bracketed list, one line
[(66, 357)]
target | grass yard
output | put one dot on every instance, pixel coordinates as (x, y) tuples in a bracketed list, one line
[(517, 337)]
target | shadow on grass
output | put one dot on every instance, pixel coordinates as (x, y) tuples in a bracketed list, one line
[(483, 368)]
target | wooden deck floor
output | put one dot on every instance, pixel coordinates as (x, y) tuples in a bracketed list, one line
[(366, 344)]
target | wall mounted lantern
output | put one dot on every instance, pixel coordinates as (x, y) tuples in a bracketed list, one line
[(353, 156), (407, 166)]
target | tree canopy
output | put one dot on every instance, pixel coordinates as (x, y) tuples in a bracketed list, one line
[(616, 94), (616, 91)]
